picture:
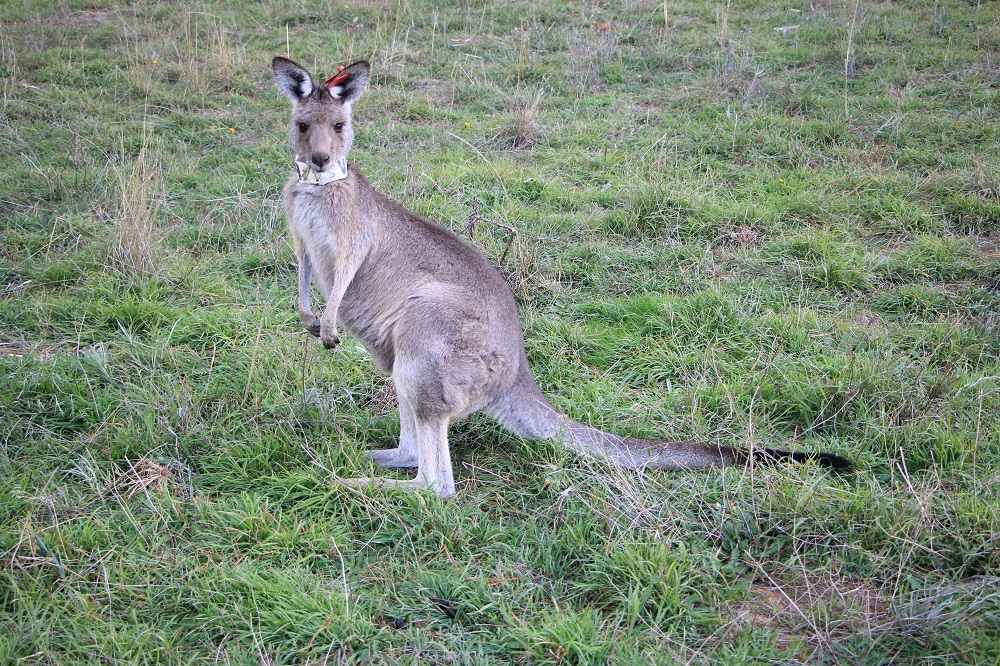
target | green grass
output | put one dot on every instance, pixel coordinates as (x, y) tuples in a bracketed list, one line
[(718, 236)]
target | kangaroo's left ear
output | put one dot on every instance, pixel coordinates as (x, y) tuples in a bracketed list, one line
[(348, 84)]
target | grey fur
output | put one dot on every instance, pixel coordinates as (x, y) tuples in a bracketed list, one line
[(432, 311)]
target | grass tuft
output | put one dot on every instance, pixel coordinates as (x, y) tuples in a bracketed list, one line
[(519, 126), (133, 246)]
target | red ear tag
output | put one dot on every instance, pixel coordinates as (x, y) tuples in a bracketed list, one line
[(337, 78)]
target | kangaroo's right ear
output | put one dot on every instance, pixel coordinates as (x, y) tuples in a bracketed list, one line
[(293, 79)]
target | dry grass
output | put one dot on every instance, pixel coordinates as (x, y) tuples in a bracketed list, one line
[(800, 605), (519, 127), (143, 475), (133, 245), (814, 611)]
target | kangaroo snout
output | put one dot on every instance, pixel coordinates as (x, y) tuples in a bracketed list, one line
[(320, 161)]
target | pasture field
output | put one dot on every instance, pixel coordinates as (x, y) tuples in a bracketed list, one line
[(746, 222)]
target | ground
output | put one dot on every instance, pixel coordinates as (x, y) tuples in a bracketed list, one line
[(754, 223)]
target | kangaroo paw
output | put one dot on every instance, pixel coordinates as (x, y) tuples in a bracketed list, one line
[(330, 341), (394, 458)]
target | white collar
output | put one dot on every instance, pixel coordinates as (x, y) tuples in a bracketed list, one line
[(338, 171)]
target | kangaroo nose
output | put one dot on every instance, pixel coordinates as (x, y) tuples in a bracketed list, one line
[(321, 159)]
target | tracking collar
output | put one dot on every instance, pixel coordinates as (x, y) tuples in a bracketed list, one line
[(337, 171)]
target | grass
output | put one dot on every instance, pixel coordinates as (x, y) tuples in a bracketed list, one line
[(767, 223)]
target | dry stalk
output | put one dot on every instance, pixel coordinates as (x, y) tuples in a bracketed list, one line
[(849, 70)]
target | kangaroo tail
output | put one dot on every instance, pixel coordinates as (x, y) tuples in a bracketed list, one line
[(526, 412)]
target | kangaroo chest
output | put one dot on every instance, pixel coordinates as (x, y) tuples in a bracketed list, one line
[(325, 226)]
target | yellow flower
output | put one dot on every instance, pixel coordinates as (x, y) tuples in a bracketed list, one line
[(232, 129), (781, 180), (154, 62), (467, 124)]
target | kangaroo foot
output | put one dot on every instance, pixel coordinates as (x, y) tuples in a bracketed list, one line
[(394, 458)]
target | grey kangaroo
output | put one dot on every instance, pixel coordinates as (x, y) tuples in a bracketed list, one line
[(431, 310)]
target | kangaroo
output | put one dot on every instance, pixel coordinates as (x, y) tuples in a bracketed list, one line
[(432, 311)]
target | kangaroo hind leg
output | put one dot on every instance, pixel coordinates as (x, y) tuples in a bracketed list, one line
[(434, 469)]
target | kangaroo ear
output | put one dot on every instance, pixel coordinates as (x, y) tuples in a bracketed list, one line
[(348, 84), (292, 78)]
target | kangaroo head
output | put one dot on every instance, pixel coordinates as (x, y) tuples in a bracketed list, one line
[(320, 130)]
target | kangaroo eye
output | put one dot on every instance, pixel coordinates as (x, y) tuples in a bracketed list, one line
[(303, 127), (338, 127)]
